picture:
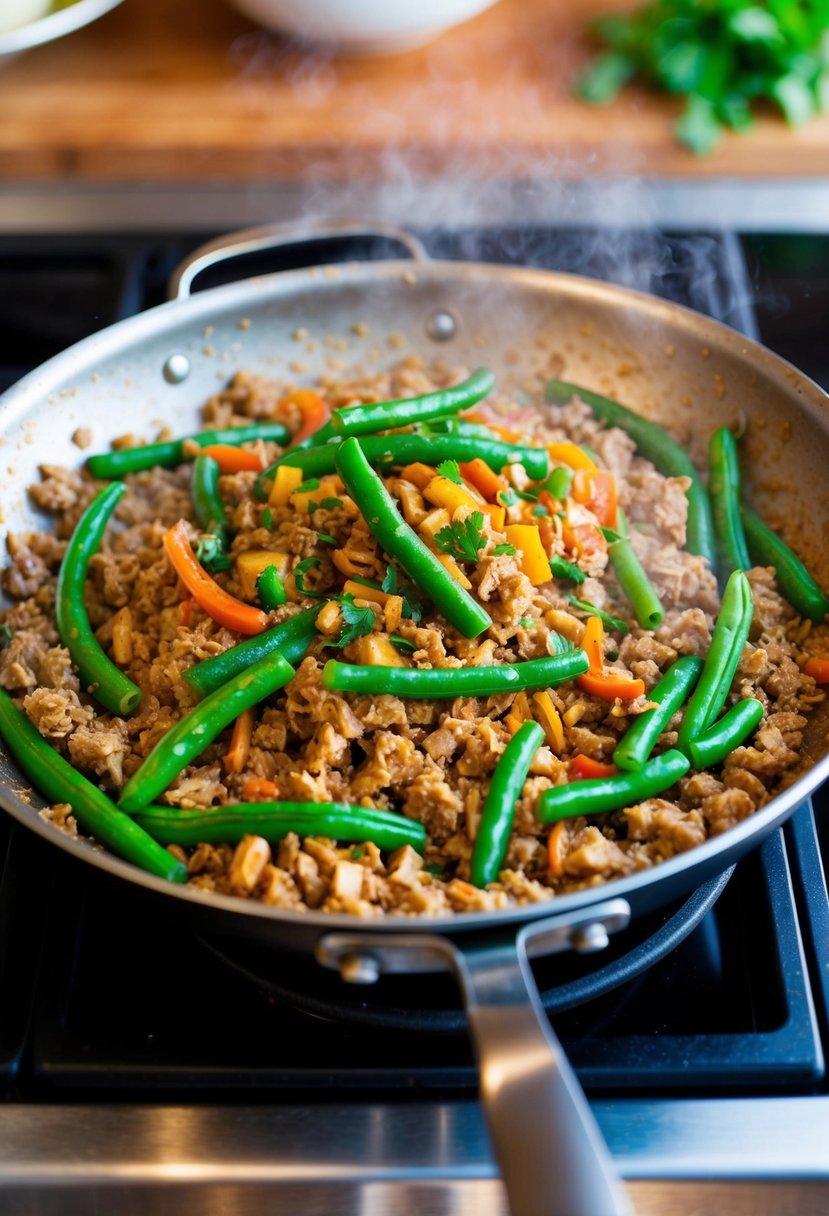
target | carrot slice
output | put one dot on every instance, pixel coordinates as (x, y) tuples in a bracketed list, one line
[(259, 789), (550, 719), (609, 686), (818, 669), (591, 643), (481, 476), (231, 459), (239, 750), (207, 593), (555, 849)]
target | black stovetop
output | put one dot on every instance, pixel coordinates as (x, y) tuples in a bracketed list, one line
[(107, 994)]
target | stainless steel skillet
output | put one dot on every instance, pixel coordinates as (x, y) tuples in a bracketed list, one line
[(680, 368)]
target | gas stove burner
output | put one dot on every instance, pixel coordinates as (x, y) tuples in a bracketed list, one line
[(432, 1004)]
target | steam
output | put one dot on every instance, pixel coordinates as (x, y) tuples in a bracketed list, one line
[(492, 199)]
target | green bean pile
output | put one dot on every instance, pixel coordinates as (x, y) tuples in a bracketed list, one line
[(420, 660)]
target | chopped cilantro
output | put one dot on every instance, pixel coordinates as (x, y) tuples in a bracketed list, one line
[(312, 506), (327, 537), (450, 469), (311, 484), (267, 518), (302, 569), (509, 550), (6, 635), (357, 854), (527, 622), (210, 552), (358, 621), (612, 622), (435, 869), (540, 510), (565, 569), (463, 540), (412, 607), (526, 495), (331, 504), (403, 643), (389, 583), (507, 498)]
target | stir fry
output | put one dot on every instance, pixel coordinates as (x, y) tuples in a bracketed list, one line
[(379, 647)]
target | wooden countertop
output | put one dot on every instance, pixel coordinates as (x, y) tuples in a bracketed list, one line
[(189, 91)]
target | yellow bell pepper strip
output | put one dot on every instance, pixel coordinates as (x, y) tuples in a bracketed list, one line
[(443, 492), (231, 459), (207, 593), (572, 455), (550, 719), (286, 480), (418, 473), (533, 561)]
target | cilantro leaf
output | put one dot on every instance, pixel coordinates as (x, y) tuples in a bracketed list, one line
[(412, 607), (311, 484), (331, 504), (327, 537), (267, 518), (358, 621), (389, 583), (527, 622), (463, 540), (301, 569), (6, 635), (403, 644), (210, 551), (509, 550), (450, 469)]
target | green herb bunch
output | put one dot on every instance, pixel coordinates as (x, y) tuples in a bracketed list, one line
[(724, 56)]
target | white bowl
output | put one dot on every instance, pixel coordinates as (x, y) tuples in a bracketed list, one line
[(362, 27), (55, 24), (14, 13)]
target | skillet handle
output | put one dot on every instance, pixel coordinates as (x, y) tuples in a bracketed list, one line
[(281, 236), (551, 1152)]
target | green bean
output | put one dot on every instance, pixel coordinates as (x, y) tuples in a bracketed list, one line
[(290, 638), (632, 577), (727, 642), (386, 415), (638, 741), (612, 622), (492, 839), (204, 490), (724, 491), (660, 449), (794, 580), (409, 448), (99, 675), (728, 732), (167, 455), (271, 589), (597, 795), (191, 735), (439, 682), (97, 816), (274, 820), (402, 543)]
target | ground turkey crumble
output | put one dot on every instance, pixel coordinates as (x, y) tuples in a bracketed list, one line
[(428, 760)]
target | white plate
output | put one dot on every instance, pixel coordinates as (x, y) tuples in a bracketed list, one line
[(54, 25)]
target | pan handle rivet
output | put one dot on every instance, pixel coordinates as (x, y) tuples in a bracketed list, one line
[(359, 968), (176, 369), (588, 939), (441, 326)]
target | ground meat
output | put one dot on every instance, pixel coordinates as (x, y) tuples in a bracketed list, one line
[(431, 761)]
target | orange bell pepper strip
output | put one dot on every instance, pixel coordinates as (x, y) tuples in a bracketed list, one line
[(184, 610), (582, 538), (597, 491), (315, 412), (207, 593), (591, 644), (585, 767), (609, 686), (533, 560), (478, 473), (259, 789), (555, 849), (232, 459), (818, 669), (239, 750)]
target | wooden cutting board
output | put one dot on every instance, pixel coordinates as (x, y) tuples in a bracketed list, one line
[(190, 91)]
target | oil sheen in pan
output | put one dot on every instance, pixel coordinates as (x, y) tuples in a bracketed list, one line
[(432, 1003)]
